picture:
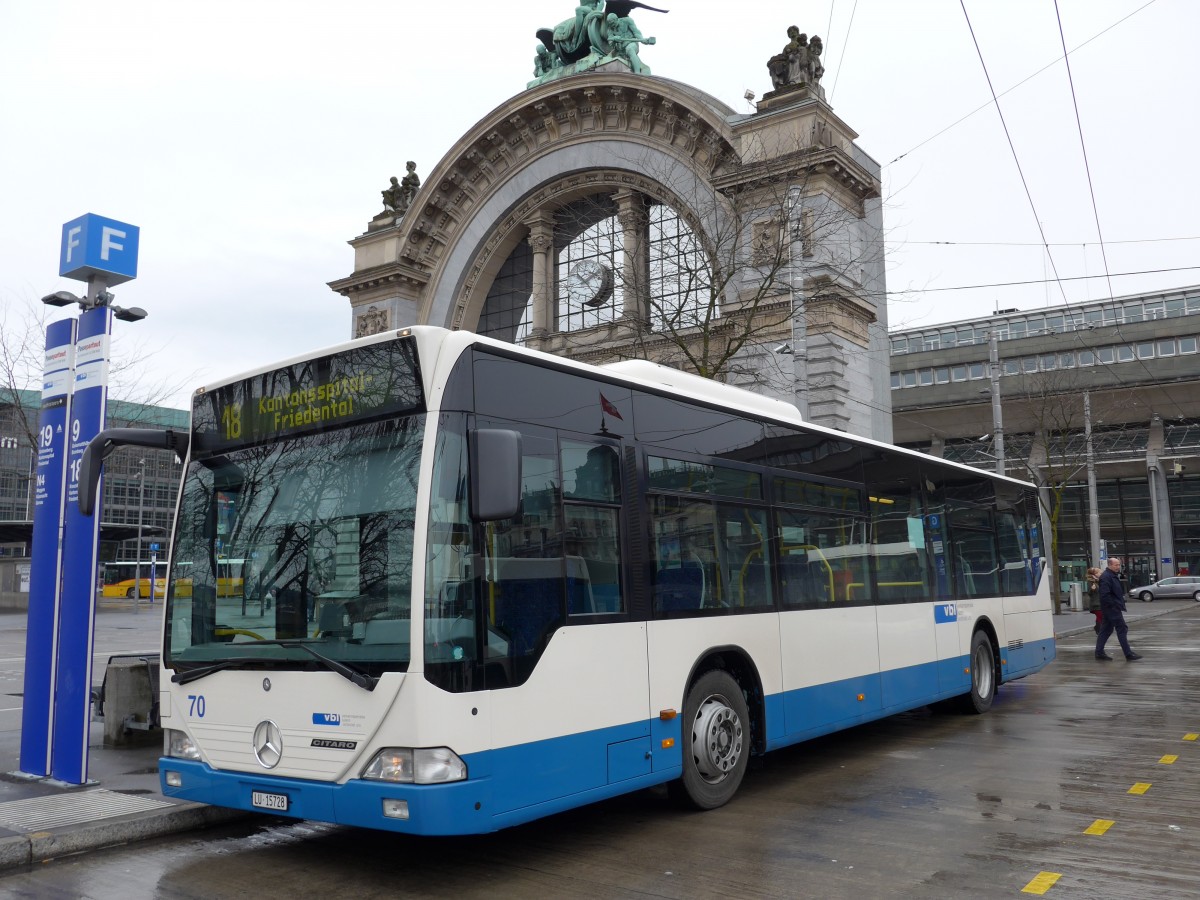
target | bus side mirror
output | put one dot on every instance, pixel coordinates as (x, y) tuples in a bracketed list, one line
[(495, 458), (102, 445)]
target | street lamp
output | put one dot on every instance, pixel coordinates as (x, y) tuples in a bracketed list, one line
[(1093, 502), (997, 419), (98, 296), (137, 568), (92, 300)]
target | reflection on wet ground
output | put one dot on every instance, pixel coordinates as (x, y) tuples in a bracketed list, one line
[(921, 805)]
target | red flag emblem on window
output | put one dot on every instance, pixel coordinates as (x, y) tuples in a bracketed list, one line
[(609, 410)]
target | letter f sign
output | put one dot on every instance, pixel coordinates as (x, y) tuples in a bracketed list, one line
[(106, 241), (93, 245), (73, 239)]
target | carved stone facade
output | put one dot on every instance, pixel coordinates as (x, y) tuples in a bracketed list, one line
[(776, 195)]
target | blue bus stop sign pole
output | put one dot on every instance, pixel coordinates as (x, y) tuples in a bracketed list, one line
[(102, 252), (41, 642), (81, 543)]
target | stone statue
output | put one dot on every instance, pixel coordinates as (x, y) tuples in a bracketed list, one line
[(391, 196), (798, 62), (399, 195), (544, 62), (408, 187), (592, 35), (624, 37), (815, 69)]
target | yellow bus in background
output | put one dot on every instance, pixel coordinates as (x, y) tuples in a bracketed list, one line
[(119, 579), (230, 582)]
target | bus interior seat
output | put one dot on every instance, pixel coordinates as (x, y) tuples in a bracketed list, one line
[(331, 621), (755, 586), (802, 583), (291, 613), (579, 586), (605, 584), (530, 601), (679, 588), (386, 631)]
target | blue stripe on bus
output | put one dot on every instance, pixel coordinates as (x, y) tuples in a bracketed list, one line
[(521, 783)]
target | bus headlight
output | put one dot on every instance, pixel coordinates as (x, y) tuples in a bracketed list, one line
[(433, 765), (179, 745)]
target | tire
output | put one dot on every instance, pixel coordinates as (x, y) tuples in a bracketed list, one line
[(716, 742), (131, 593), (1146, 597), (1196, 595), (983, 676)]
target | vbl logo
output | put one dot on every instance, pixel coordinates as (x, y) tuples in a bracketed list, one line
[(327, 719)]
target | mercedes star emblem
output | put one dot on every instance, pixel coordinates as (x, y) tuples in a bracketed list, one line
[(268, 744)]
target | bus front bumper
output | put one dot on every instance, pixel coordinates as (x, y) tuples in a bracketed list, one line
[(461, 807)]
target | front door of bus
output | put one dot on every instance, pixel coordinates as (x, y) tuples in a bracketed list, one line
[(951, 671)]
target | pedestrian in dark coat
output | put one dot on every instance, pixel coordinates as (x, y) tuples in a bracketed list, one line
[(1112, 607), (1093, 588)]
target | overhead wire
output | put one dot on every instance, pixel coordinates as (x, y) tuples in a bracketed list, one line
[(845, 45), (1095, 207), (1087, 168), (1045, 244), (1012, 148), (1052, 243), (959, 121), (1058, 279), (1001, 284)]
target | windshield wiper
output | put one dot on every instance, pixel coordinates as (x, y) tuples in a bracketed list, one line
[(366, 682), (201, 671)]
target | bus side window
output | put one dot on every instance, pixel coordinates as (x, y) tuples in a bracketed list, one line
[(591, 527), (524, 585), (683, 545), (822, 556), (744, 557)]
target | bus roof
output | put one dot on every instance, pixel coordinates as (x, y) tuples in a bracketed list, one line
[(440, 348)]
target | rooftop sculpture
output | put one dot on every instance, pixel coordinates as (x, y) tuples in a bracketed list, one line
[(399, 195), (599, 33), (798, 64)]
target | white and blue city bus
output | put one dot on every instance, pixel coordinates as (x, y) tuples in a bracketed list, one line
[(482, 585)]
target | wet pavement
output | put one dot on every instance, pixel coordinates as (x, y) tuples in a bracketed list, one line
[(42, 820)]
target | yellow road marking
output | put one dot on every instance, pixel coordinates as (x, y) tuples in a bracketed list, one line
[(1140, 788), (1191, 737), (1041, 884), (1168, 759), (1099, 826)]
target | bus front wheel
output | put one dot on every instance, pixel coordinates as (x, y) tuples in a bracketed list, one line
[(716, 742), (132, 592), (983, 675)]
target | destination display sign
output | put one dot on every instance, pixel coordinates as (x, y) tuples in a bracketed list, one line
[(328, 392)]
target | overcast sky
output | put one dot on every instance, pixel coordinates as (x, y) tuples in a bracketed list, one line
[(249, 139)]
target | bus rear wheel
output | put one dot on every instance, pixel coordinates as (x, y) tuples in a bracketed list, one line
[(716, 742), (983, 675), (132, 592)]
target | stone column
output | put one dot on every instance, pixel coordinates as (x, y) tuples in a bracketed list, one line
[(634, 279), (541, 239), (1158, 485)]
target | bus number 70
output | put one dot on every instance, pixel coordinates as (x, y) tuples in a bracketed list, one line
[(197, 705)]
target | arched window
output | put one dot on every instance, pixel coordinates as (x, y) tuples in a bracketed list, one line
[(594, 275)]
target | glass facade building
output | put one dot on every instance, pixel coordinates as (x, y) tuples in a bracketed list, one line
[(1136, 361)]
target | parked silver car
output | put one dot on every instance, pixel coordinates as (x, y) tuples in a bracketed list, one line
[(1178, 586)]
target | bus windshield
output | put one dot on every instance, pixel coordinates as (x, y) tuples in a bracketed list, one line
[(322, 526)]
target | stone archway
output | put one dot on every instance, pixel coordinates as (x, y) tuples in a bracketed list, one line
[(552, 139), (489, 206)]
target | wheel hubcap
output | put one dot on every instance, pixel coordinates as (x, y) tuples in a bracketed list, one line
[(983, 672), (716, 739)]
